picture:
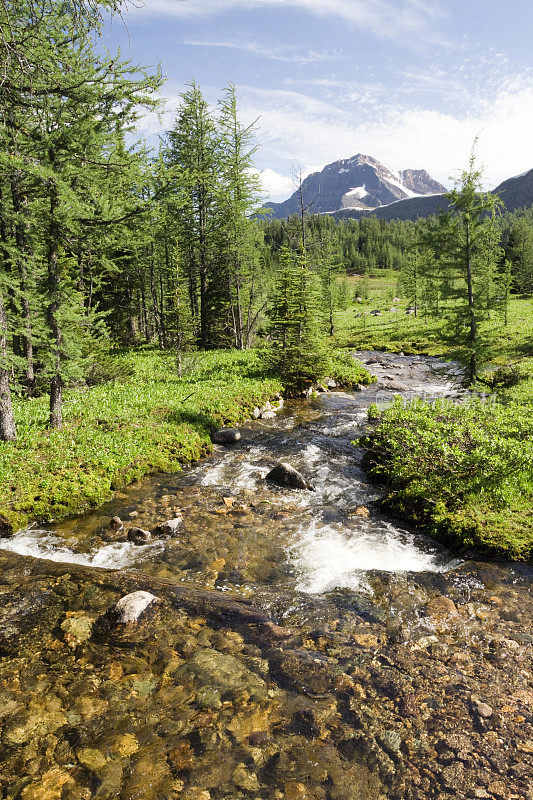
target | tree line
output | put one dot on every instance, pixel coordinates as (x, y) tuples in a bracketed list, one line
[(101, 240)]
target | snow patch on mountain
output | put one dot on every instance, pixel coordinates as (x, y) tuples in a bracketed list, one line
[(399, 185), (357, 191)]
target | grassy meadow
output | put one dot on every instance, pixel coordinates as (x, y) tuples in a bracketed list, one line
[(116, 432), (463, 473)]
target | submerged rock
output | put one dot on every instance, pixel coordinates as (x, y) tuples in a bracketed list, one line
[(77, 630), (49, 786), (225, 673), (441, 607), (288, 477), (244, 779), (226, 436), (33, 724), (33, 615), (91, 758), (130, 607)]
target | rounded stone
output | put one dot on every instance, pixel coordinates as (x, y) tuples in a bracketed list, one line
[(288, 477), (139, 535), (130, 607), (441, 606), (226, 436)]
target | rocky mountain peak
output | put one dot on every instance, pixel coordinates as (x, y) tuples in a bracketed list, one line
[(360, 183)]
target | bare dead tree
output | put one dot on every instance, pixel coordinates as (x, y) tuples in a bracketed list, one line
[(298, 182)]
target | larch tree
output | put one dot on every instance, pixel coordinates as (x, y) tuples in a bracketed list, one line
[(241, 197), (193, 154), (468, 246)]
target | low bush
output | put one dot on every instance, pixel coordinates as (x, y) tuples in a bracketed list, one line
[(347, 372)]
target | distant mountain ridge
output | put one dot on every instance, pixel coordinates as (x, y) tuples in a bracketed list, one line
[(361, 186), (360, 183), (515, 192)]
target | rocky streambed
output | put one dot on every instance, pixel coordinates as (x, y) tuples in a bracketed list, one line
[(300, 643)]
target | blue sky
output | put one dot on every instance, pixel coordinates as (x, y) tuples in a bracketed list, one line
[(410, 82)]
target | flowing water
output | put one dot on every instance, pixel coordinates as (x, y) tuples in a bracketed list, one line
[(349, 582), (311, 542)]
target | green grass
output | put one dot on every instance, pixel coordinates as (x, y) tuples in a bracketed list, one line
[(117, 432), (464, 474)]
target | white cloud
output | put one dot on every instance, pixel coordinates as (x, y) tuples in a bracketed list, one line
[(274, 53), (385, 18), (277, 187), (294, 125)]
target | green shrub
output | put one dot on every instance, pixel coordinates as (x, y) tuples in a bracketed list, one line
[(107, 367), (347, 371), (506, 376), (463, 472)]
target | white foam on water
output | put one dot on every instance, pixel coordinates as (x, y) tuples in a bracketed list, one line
[(435, 389), (312, 454), (247, 475), (236, 471), (40, 544), (214, 476), (327, 558), (345, 427)]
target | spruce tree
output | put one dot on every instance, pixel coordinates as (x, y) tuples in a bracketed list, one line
[(295, 349), (519, 251)]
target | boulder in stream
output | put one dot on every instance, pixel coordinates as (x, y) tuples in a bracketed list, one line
[(139, 535), (170, 527), (288, 477), (130, 607), (226, 436)]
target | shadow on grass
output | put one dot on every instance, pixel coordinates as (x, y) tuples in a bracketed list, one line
[(198, 419), (523, 349)]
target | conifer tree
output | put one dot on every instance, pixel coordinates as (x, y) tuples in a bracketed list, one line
[(295, 349), (240, 198), (193, 154), (467, 243), (327, 258), (59, 109), (519, 251)]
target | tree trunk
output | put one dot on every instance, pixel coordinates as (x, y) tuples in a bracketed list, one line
[(8, 431), (54, 300), (56, 402), (471, 308), (155, 301), (131, 320)]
